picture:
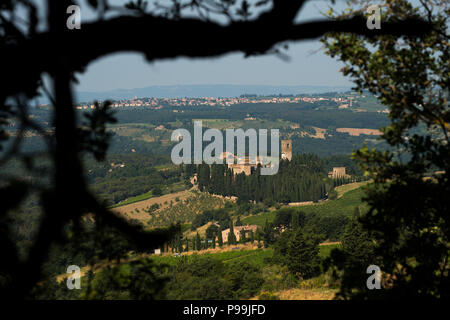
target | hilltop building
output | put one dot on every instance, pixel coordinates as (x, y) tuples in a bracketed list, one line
[(338, 172), (286, 149), (248, 168)]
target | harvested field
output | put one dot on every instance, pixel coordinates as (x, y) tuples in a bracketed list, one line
[(307, 294), (320, 133), (184, 211), (357, 131), (136, 210)]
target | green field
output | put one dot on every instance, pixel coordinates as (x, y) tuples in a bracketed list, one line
[(343, 206), (140, 197), (245, 124), (185, 227), (256, 257), (174, 187), (165, 166), (326, 250), (370, 104), (139, 131)]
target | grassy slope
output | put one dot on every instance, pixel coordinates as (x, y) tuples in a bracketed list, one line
[(255, 256), (345, 205), (138, 198), (312, 289), (175, 187), (341, 190)]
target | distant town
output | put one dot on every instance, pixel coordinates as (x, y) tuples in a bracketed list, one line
[(158, 103), (339, 100)]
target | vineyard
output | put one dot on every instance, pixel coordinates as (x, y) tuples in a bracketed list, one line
[(184, 211)]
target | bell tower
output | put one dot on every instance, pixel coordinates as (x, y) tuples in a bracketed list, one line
[(286, 149)]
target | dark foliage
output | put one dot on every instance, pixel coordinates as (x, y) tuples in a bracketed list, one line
[(409, 203), (301, 179), (21, 49)]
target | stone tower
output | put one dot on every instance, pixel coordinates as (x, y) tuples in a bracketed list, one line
[(286, 149)]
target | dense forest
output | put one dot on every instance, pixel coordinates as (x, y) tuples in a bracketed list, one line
[(302, 179)]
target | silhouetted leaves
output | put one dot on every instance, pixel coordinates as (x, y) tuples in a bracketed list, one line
[(93, 135), (67, 201), (409, 203)]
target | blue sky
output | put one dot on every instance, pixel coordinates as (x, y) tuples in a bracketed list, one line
[(308, 66)]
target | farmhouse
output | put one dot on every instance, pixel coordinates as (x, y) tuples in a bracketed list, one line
[(237, 231)]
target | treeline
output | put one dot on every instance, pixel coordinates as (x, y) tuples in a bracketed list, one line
[(326, 227), (303, 113), (342, 160), (334, 143), (122, 176), (294, 256), (221, 216), (302, 179), (198, 278)]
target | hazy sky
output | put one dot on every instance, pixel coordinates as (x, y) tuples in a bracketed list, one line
[(308, 66)]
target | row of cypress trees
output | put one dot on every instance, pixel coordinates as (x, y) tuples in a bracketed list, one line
[(302, 179), (180, 244)]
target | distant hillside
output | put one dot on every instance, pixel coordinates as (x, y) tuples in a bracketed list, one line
[(192, 91)]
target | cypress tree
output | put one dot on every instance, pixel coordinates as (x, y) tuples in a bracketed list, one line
[(242, 236), (198, 242), (357, 244), (252, 237), (220, 239), (267, 234), (301, 180), (302, 257), (294, 218), (231, 236)]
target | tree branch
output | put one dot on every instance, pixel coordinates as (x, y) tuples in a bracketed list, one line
[(162, 38)]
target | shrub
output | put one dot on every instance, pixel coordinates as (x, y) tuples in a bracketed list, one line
[(267, 295), (157, 191), (332, 195)]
